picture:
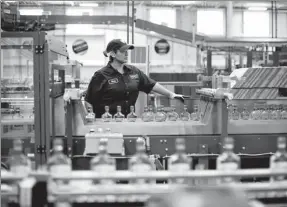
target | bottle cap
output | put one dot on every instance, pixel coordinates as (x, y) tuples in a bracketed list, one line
[(103, 142), (58, 142), (92, 130), (107, 107), (100, 130)]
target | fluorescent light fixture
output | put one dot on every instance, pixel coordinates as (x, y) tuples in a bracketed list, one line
[(256, 5), (181, 2), (89, 4), (257, 8), (32, 12)]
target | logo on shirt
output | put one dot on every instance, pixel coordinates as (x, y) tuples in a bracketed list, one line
[(134, 76), (113, 81)]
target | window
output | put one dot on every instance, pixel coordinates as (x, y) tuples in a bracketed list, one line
[(256, 24), (166, 17), (210, 22)]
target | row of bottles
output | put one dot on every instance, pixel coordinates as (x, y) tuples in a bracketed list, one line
[(269, 112), (149, 115), (140, 162)]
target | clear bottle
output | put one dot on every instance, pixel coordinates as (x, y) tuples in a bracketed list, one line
[(160, 116), (107, 117), (179, 162), (184, 116), (58, 162), (278, 161), (119, 117), (265, 113), (151, 113), (228, 160), (90, 117), (245, 115), (132, 117), (172, 115), (103, 163), (255, 113), (18, 162), (235, 114), (145, 115), (194, 116), (91, 135), (283, 113), (275, 113), (140, 162)]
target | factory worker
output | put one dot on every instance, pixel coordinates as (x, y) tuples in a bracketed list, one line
[(118, 83)]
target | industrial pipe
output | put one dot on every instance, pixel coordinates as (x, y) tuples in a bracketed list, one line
[(133, 22), (128, 22), (272, 20), (276, 20)]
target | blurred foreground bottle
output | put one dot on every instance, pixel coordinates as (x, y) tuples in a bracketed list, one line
[(58, 162), (228, 160), (140, 162), (132, 116), (278, 161), (179, 162), (119, 117), (18, 162), (103, 163), (107, 117)]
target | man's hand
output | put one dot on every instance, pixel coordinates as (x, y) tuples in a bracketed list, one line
[(178, 97)]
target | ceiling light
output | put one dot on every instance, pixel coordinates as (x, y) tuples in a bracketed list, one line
[(32, 12), (89, 4), (257, 8), (181, 2)]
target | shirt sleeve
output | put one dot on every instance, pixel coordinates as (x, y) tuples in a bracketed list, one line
[(146, 84), (94, 91)]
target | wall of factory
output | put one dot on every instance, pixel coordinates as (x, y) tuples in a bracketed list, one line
[(181, 57)]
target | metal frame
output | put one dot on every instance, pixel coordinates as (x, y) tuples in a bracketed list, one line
[(38, 89)]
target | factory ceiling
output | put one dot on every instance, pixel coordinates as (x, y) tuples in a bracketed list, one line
[(281, 4)]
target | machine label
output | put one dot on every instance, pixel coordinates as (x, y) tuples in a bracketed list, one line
[(113, 81)]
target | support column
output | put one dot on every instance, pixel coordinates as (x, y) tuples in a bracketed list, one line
[(229, 32)]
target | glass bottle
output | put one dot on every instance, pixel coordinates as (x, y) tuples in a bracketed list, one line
[(235, 114), (90, 117), (245, 115), (184, 116), (132, 117), (150, 113), (172, 115), (119, 117), (140, 162), (179, 162), (255, 113), (275, 113), (18, 162), (278, 161), (103, 163), (194, 116), (145, 115), (58, 163), (228, 160), (264, 113), (160, 116), (283, 114), (107, 117)]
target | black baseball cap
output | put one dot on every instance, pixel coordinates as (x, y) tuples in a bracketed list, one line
[(117, 44)]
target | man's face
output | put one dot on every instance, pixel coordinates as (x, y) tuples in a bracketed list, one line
[(121, 57)]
